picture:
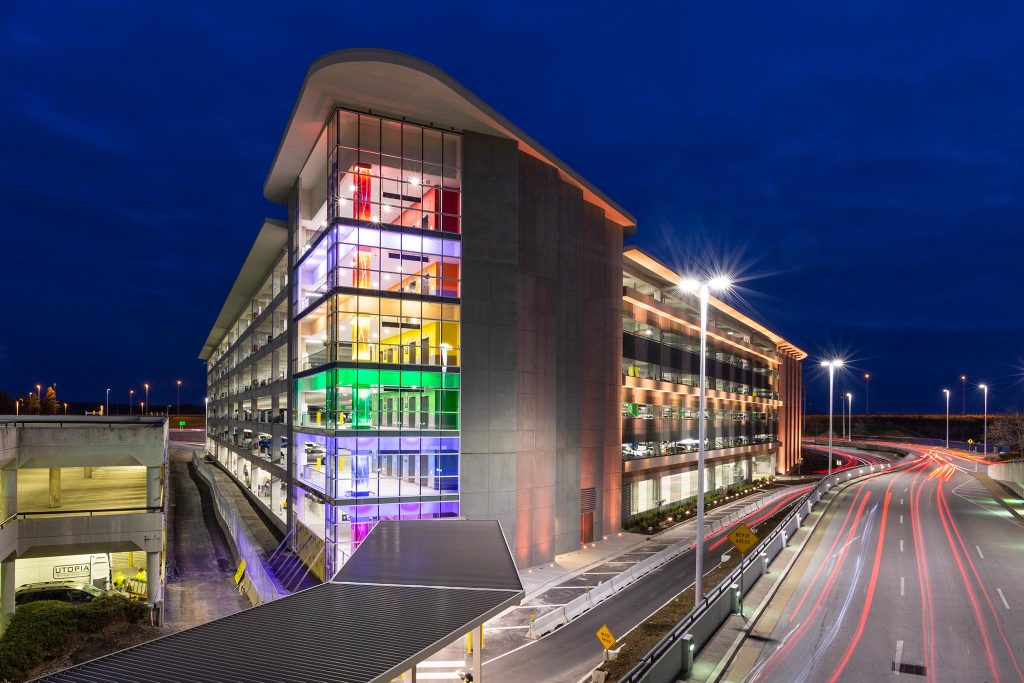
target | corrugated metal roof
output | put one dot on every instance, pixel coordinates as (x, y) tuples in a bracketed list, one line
[(436, 580), (427, 552)]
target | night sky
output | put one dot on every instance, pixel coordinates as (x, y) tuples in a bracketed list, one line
[(860, 164)]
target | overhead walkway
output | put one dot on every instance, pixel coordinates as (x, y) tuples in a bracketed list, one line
[(410, 589)]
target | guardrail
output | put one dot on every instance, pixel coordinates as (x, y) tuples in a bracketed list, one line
[(671, 655), (255, 569), (557, 618)]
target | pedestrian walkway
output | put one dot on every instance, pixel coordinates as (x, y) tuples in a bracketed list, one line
[(572, 574)]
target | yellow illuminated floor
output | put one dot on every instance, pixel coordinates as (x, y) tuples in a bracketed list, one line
[(110, 487)]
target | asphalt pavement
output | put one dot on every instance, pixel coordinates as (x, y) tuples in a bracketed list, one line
[(914, 574)]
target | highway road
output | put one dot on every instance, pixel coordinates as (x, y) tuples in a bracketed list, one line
[(915, 573), (569, 653)]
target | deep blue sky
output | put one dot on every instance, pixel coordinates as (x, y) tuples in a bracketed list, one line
[(862, 161)]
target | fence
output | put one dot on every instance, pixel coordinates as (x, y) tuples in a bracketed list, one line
[(255, 570), (672, 654), (939, 443), (548, 622)]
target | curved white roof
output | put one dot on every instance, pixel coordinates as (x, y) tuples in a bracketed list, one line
[(396, 85)]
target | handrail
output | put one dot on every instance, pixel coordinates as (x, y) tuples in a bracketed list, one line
[(642, 667), (91, 513), (9, 519)]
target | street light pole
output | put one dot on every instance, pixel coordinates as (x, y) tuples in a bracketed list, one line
[(842, 406), (179, 398), (131, 397), (703, 290), (147, 395), (946, 392), (39, 394), (963, 383), (108, 403), (849, 411), (831, 365), (984, 440), (867, 392)]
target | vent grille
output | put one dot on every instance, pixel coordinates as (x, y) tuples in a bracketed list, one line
[(588, 500)]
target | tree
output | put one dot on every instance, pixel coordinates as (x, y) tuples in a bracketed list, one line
[(1008, 430), (50, 405), (6, 404), (31, 405)]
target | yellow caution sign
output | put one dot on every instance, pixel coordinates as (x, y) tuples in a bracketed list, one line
[(606, 637), (743, 538), (239, 572)]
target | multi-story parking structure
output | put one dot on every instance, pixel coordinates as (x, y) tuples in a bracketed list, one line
[(452, 297), (754, 388)]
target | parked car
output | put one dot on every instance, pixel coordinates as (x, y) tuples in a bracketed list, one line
[(64, 591)]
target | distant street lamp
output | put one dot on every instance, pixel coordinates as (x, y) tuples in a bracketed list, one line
[(831, 365), (131, 397), (17, 407), (108, 403), (147, 393), (65, 409), (179, 398), (849, 401), (703, 289), (946, 392), (984, 440), (867, 391), (142, 408), (963, 385), (39, 394)]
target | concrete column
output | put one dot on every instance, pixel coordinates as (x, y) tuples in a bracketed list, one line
[(153, 481), (275, 494), (8, 493), (478, 641), (6, 592), (55, 487), (87, 472), (154, 584)]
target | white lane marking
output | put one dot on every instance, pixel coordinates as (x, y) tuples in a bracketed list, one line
[(902, 593), (905, 490), (1003, 598), (901, 501), (901, 545), (901, 519), (439, 663), (899, 657), (979, 552), (500, 628)]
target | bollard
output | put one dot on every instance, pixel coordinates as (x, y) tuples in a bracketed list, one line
[(687, 656), (736, 604), (764, 563), (785, 540)]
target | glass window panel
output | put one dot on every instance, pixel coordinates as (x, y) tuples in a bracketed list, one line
[(452, 150), (348, 123), (412, 142), (432, 146), (451, 178), (391, 138), (369, 133)]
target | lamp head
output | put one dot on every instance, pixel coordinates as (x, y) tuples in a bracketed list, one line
[(720, 282), (689, 284), (983, 387), (849, 396), (946, 392)]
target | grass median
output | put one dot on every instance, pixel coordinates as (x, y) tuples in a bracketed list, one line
[(647, 634)]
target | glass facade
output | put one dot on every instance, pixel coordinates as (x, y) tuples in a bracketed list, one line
[(661, 342), (376, 363)]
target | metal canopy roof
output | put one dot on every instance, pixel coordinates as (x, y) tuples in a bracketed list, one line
[(410, 589)]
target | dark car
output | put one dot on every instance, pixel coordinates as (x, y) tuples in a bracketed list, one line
[(64, 591)]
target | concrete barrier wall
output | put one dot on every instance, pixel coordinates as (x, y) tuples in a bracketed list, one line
[(1009, 473), (664, 662), (100, 445)]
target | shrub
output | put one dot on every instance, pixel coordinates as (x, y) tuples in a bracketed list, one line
[(48, 628)]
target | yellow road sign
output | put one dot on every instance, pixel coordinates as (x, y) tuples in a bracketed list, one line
[(606, 637), (240, 572), (743, 538)]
